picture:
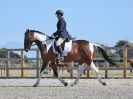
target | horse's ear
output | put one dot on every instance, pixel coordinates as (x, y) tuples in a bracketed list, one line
[(27, 30)]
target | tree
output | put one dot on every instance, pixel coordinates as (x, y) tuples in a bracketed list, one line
[(3, 54), (121, 43)]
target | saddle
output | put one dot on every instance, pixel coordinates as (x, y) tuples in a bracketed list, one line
[(62, 45), (66, 47)]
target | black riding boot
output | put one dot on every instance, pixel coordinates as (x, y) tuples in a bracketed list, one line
[(60, 53)]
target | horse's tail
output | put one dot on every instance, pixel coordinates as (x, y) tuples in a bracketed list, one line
[(105, 55)]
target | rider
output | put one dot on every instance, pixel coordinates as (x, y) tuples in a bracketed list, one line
[(61, 34)]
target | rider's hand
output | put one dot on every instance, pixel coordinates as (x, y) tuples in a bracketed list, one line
[(54, 34), (51, 37)]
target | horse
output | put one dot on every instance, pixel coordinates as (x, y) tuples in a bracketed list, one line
[(82, 51), (131, 64)]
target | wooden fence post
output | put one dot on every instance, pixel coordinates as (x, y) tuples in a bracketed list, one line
[(88, 73), (22, 63), (1, 66), (106, 69), (124, 62), (8, 64), (97, 64), (37, 63), (71, 69)]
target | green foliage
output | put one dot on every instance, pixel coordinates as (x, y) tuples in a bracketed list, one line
[(3, 54), (121, 43)]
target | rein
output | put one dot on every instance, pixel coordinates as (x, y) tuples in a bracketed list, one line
[(36, 44), (33, 44), (40, 33)]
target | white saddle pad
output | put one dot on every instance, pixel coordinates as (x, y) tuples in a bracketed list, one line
[(67, 48)]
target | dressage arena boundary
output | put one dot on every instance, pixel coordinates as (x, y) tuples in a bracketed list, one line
[(7, 63)]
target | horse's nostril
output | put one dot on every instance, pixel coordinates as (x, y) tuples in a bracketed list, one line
[(26, 50)]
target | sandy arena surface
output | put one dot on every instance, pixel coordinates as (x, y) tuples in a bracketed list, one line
[(52, 89)]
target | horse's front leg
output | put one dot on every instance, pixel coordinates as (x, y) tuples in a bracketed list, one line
[(56, 75), (45, 64), (80, 72)]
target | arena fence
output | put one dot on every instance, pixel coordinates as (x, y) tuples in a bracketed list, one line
[(9, 67)]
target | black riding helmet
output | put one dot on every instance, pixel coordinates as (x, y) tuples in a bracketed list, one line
[(59, 12)]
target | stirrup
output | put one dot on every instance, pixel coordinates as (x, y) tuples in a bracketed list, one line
[(60, 60)]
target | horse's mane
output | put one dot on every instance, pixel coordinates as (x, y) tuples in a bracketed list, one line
[(37, 32)]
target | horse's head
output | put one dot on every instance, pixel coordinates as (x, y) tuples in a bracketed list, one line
[(28, 40)]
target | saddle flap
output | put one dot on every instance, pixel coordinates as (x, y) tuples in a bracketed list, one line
[(67, 48)]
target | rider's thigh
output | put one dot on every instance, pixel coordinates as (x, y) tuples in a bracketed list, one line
[(60, 41)]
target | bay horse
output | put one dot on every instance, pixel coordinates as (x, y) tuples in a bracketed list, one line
[(131, 64), (82, 51)]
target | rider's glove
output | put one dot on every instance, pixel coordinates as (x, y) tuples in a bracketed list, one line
[(51, 37)]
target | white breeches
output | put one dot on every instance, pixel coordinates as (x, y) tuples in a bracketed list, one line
[(60, 41)]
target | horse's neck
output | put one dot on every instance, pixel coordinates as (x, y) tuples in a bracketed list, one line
[(43, 51), (41, 47)]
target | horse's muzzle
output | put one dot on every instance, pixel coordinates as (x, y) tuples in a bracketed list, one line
[(26, 50)]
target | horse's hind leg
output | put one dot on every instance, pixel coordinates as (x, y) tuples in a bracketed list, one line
[(88, 53), (97, 73), (40, 75), (56, 75), (80, 72)]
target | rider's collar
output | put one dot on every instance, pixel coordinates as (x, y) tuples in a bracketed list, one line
[(60, 18)]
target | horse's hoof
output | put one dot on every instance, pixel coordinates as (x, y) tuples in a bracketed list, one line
[(104, 84), (35, 85), (65, 84), (72, 84)]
